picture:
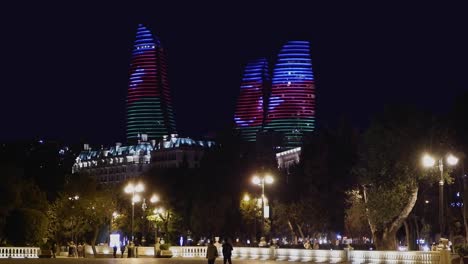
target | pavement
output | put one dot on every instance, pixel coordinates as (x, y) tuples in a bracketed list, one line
[(134, 261)]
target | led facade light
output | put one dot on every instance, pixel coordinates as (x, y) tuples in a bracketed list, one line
[(291, 108), (249, 115), (149, 107)]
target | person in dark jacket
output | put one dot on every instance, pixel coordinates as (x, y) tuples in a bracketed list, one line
[(227, 251), (211, 253)]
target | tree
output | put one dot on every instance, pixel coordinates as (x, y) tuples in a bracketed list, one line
[(80, 211), (356, 224), (26, 227), (389, 168), (251, 212)]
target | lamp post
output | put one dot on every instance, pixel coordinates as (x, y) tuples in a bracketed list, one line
[(268, 179), (134, 190), (157, 212), (429, 162), (73, 199)]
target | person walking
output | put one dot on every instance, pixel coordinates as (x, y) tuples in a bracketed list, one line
[(227, 251), (122, 250), (115, 250), (80, 250), (211, 253)]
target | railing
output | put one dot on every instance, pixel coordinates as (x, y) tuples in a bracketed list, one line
[(324, 256), (19, 252), (188, 252), (410, 257)]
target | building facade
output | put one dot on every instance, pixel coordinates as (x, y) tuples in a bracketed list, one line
[(249, 115), (149, 107), (175, 152), (291, 106), (288, 158), (120, 163)]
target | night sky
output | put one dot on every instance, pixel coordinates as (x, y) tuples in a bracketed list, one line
[(65, 68)]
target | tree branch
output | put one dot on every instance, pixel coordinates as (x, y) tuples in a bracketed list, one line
[(371, 225), (406, 211)]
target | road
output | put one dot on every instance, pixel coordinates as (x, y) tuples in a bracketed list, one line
[(133, 261)]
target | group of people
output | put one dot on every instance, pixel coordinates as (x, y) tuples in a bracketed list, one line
[(76, 251), (132, 250), (212, 252), (307, 245)]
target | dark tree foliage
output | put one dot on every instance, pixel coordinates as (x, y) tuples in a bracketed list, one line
[(319, 182), (390, 170), (15, 193), (26, 227)]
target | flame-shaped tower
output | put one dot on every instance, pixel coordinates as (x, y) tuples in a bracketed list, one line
[(291, 108), (249, 115), (149, 108)]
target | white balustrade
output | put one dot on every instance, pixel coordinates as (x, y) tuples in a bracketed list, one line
[(317, 256), (188, 252), (410, 257), (19, 252)]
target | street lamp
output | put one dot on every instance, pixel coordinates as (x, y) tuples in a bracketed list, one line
[(157, 212), (73, 199), (134, 190), (268, 179), (429, 162)]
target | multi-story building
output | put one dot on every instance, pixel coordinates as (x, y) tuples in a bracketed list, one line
[(291, 107), (149, 107), (249, 115), (119, 163), (284, 106), (175, 152), (288, 158)]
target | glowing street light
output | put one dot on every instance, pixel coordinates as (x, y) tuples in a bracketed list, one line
[(154, 198), (452, 160), (268, 179), (429, 162), (134, 190)]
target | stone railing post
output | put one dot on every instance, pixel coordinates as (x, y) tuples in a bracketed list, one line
[(445, 256)]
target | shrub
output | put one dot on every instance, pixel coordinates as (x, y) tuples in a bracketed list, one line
[(461, 250), (165, 246), (26, 227)]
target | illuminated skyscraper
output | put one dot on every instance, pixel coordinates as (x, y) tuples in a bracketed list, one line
[(291, 108), (149, 108), (249, 114)]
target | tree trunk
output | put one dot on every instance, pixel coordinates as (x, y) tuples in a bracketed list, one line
[(416, 226), (292, 230), (465, 222), (385, 240), (300, 231), (408, 235), (93, 240)]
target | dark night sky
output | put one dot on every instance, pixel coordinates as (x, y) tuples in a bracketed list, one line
[(65, 67)]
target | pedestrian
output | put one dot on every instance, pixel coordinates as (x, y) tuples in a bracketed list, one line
[(227, 251), (52, 249), (70, 249), (115, 250), (80, 250), (130, 249), (122, 250), (137, 244), (157, 248), (316, 245), (211, 253)]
